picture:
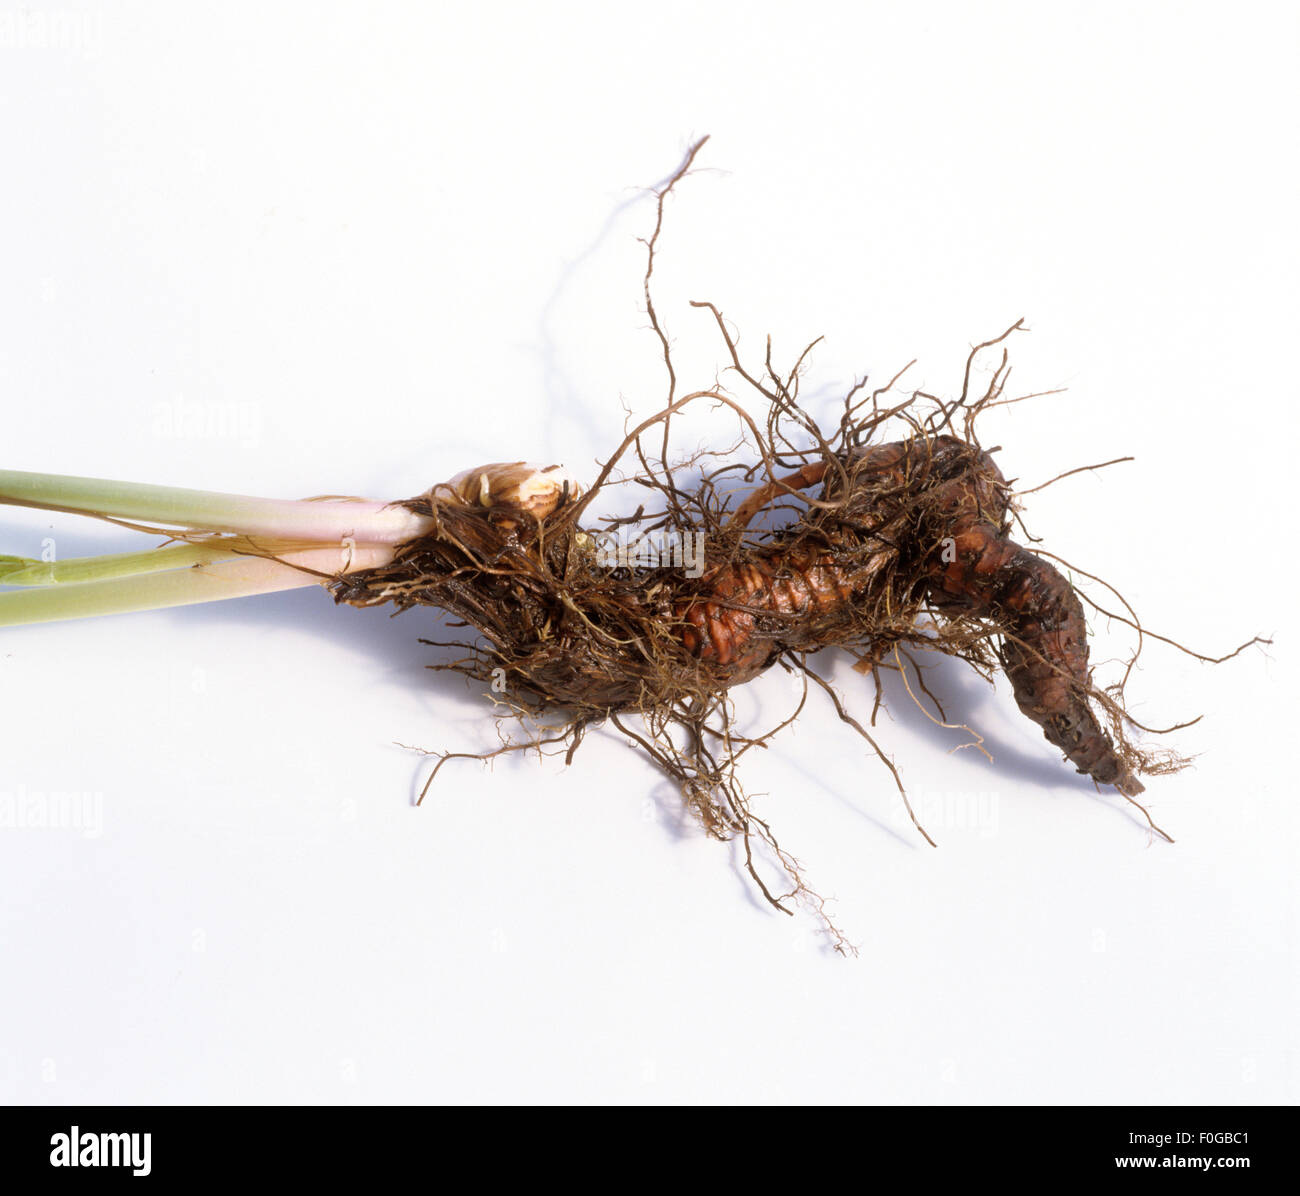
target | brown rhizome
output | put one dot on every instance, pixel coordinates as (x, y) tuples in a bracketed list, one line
[(886, 548)]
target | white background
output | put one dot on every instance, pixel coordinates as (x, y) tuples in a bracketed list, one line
[(293, 250)]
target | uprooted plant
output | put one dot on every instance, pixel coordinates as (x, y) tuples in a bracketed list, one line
[(898, 541)]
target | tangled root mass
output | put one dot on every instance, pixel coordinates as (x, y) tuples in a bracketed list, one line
[(894, 545)]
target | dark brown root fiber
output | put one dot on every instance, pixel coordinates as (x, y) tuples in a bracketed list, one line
[(889, 545)]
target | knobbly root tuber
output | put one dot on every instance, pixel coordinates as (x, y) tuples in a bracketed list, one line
[(1044, 648), (980, 572)]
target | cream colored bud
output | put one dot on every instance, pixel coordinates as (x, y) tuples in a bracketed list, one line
[(535, 490)]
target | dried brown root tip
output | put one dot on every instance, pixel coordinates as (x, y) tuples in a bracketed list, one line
[(1130, 786), (1125, 787)]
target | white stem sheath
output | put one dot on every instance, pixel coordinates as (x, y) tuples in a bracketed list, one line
[(321, 520)]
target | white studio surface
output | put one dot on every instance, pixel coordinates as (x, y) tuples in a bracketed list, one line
[(319, 249)]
